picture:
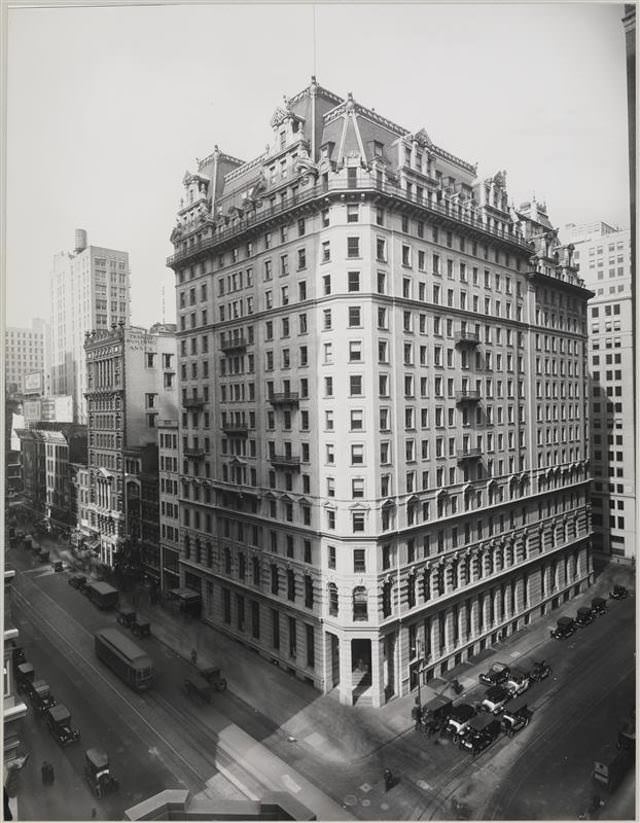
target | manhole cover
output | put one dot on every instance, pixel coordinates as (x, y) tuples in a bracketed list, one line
[(365, 788), (365, 802), (350, 800)]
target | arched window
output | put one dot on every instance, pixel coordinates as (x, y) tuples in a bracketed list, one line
[(360, 607), (332, 591)]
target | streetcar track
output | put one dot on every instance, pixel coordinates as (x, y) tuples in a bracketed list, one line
[(74, 651)]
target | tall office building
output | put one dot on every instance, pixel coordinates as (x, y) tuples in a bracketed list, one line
[(25, 357), (383, 451), (604, 255), (89, 290), (131, 384)]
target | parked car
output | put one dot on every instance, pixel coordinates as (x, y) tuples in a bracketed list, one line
[(517, 682), (516, 718), (598, 606), (25, 675), (40, 696), (584, 616), (619, 592), (78, 581), (565, 627), (480, 733), (539, 670), (59, 723), (433, 716), (495, 699), (459, 719), (497, 674), (57, 565)]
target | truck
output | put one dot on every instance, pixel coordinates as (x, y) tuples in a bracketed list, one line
[(432, 716), (59, 723), (102, 595)]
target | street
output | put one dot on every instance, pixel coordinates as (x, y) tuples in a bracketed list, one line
[(162, 739)]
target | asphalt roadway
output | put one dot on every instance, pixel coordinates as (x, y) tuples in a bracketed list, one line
[(162, 740)]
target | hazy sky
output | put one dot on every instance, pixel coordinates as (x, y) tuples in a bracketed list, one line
[(108, 107)]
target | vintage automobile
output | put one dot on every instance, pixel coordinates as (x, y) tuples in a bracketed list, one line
[(539, 670), (565, 627), (17, 653), (25, 675), (480, 733), (496, 699), (98, 774), (584, 616), (141, 627), (214, 677), (199, 687), (497, 674), (432, 716), (126, 616), (59, 723), (598, 606), (619, 592), (517, 682), (57, 565), (458, 720), (515, 718), (39, 694), (77, 581)]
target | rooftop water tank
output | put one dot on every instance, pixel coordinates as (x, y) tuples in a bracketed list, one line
[(81, 240)]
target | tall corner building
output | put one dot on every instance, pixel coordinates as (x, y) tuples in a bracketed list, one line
[(604, 255), (383, 434), (89, 289)]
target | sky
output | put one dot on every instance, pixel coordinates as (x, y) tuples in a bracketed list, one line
[(107, 107)]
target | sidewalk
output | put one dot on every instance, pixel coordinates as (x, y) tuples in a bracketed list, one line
[(318, 725)]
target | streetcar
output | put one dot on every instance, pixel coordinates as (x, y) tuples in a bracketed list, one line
[(124, 658)]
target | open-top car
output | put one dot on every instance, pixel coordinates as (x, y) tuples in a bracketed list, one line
[(515, 718), (619, 592), (496, 699), (497, 674), (59, 723), (565, 627), (98, 774)]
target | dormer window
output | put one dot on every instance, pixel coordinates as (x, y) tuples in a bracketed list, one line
[(377, 148)]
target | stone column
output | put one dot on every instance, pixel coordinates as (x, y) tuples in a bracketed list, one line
[(435, 637), (474, 616), (346, 678), (462, 623), (377, 672), (448, 630)]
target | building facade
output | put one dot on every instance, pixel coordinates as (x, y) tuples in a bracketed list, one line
[(24, 355), (131, 384), (48, 449), (89, 290), (604, 255), (168, 457), (384, 429)]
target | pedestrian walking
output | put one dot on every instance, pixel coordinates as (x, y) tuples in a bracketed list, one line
[(52, 776), (94, 813), (388, 779), (44, 771)]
